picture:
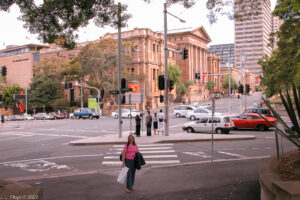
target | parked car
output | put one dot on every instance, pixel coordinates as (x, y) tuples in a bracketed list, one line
[(14, 118), (264, 111), (58, 116), (182, 110), (200, 112), (221, 124), (42, 116), (27, 117), (85, 113), (126, 113), (253, 120), (201, 105)]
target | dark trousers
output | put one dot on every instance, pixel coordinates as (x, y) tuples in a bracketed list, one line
[(138, 130), (149, 128), (130, 173)]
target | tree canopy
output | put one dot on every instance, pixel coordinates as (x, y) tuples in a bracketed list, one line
[(56, 21), (283, 67), (44, 90), (8, 92), (233, 83)]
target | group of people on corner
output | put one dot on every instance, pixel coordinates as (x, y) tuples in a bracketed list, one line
[(158, 121)]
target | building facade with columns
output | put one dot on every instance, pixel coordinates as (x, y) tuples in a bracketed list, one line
[(148, 58)]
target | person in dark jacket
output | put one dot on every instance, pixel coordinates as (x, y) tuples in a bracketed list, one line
[(148, 123), (138, 126), (139, 160)]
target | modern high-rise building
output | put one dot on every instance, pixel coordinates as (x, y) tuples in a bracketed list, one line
[(225, 51), (276, 23), (252, 34)]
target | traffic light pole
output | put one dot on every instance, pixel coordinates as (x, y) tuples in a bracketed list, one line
[(166, 72), (119, 70)]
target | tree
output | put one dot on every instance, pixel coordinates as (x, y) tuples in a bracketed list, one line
[(60, 103), (210, 85), (282, 69), (44, 90), (8, 92), (181, 89), (57, 21), (174, 73), (233, 83)]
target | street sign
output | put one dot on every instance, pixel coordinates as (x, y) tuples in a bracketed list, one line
[(19, 96), (135, 98), (92, 103), (113, 92), (134, 87)]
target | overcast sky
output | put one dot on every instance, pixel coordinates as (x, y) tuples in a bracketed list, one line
[(143, 16)]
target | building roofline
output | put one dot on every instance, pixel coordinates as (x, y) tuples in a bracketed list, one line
[(40, 46)]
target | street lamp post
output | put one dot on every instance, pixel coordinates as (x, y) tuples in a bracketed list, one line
[(119, 70)]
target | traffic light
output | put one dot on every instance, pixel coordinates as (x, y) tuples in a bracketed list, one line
[(185, 54), (123, 100), (1, 97), (161, 82), (123, 83), (247, 88), (161, 98), (3, 70), (171, 84), (241, 89)]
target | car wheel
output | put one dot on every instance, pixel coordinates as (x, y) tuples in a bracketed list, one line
[(190, 130), (91, 116), (177, 115), (219, 131), (77, 117), (193, 117), (129, 116), (261, 127), (55, 118), (116, 116)]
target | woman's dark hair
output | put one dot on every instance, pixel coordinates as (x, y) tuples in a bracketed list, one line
[(160, 110), (129, 142)]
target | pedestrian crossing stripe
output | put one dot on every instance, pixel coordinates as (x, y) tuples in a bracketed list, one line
[(154, 154), (146, 156), (147, 145), (144, 152), (151, 148), (147, 162)]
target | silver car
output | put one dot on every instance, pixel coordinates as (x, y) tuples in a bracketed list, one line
[(221, 124), (182, 110), (200, 112)]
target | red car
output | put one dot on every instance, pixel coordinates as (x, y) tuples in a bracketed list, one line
[(58, 116), (253, 120)]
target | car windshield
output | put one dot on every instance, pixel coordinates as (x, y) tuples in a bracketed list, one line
[(227, 119)]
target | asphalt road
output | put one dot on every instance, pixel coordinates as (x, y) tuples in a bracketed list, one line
[(38, 152)]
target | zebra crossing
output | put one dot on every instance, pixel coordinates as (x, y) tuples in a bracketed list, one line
[(154, 154)]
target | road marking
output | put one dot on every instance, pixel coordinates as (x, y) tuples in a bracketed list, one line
[(152, 156), (231, 154), (10, 133), (147, 145), (50, 158), (45, 134), (80, 173), (199, 154), (147, 162), (41, 166), (269, 137), (151, 148), (164, 151)]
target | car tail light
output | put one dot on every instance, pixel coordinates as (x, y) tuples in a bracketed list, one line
[(227, 125)]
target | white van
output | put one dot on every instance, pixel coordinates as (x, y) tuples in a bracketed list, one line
[(182, 110)]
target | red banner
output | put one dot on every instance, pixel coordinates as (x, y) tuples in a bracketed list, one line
[(21, 107), (203, 77)]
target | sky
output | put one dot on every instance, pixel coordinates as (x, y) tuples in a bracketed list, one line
[(143, 16)]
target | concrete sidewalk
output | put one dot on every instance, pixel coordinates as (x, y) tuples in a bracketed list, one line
[(173, 137)]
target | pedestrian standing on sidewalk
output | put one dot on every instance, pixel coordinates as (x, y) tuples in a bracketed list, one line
[(138, 126), (155, 123), (148, 123), (161, 123), (2, 120), (128, 155)]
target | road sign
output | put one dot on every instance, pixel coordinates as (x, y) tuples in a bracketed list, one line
[(113, 92), (135, 98), (19, 96), (134, 87)]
